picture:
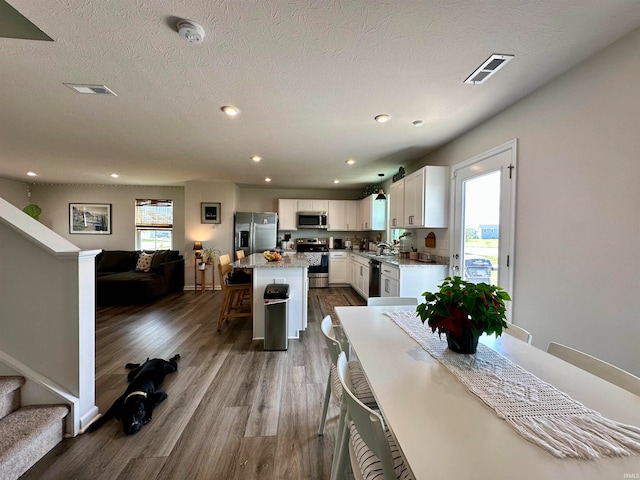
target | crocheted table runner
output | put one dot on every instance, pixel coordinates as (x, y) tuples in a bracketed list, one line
[(536, 410)]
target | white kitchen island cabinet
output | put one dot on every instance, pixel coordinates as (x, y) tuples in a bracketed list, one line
[(292, 270)]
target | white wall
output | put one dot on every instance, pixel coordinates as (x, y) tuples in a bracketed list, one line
[(14, 192), (266, 200), (577, 267), (218, 236), (47, 312), (54, 201)]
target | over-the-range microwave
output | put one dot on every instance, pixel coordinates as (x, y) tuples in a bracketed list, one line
[(312, 219)]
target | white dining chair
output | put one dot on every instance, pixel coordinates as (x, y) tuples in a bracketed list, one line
[(368, 442), (599, 368), (388, 301), (334, 390), (518, 332)]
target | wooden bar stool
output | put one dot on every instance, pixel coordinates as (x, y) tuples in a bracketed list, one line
[(232, 305), (248, 271)]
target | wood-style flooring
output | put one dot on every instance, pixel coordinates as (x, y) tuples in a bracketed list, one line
[(234, 411)]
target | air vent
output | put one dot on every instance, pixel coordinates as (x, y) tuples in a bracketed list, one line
[(490, 66), (90, 89)]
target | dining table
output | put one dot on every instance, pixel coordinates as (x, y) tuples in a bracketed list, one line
[(446, 432)]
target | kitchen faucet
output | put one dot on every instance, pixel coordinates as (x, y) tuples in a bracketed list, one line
[(382, 246)]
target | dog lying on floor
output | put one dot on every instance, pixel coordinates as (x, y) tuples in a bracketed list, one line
[(135, 406)]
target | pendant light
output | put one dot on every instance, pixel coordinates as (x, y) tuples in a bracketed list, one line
[(381, 195)]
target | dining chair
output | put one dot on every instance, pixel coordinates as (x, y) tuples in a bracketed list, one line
[(387, 301), (239, 254), (362, 389), (599, 368), (518, 332), (232, 306), (368, 442)]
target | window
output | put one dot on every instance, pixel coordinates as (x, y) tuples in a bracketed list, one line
[(154, 224)]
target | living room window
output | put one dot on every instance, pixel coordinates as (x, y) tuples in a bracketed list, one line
[(154, 224)]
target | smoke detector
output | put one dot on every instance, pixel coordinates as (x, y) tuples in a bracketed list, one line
[(190, 31)]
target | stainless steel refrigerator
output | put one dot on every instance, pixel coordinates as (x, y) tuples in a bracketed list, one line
[(255, 232)]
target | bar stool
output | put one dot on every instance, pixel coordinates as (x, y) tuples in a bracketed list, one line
[(232, 305)]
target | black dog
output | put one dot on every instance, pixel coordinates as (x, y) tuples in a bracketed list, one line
[(135, 406)]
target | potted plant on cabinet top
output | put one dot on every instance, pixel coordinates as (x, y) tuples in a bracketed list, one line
[(463, 311)]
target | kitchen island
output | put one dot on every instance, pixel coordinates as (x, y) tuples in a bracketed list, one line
[(292, 270)]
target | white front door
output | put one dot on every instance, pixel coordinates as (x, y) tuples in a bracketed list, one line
[(484, 192)]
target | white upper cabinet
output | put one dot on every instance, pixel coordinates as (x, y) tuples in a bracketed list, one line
[(287, 210), (351, 215), (396, 204), (373, 213), (337, 215), (313, 205), (426, 198)]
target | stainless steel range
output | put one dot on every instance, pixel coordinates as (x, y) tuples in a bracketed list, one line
[(317, 253)]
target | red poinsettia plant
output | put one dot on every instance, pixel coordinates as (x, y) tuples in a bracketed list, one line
[(460, 305)]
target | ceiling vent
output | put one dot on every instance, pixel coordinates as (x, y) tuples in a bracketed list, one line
[(90, 89), (490, 66)]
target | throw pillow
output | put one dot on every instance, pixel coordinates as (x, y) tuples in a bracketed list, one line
[(144, 262)]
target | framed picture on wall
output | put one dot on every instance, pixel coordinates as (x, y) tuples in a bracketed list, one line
[(90, 218), (210, 212)]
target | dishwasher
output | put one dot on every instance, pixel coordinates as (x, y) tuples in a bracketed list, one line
[(374, 278)]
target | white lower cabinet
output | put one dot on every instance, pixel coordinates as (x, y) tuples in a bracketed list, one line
[(338, 271), (415, 281), (389, 281), (360, 275)]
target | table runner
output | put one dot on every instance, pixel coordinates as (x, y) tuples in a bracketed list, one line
[(535, 409)]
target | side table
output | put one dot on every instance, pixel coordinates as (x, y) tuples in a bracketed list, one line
[(203, 275)]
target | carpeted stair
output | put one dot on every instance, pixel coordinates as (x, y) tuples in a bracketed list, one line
[(26, 433)]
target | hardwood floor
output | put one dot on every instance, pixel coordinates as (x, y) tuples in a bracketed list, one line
[(234, 411)]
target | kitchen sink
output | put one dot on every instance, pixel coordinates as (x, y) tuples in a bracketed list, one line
[(382, 257)]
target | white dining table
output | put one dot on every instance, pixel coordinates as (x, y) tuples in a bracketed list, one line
[(445, 432)]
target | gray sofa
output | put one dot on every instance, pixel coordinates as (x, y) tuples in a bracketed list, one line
[(118, 282)]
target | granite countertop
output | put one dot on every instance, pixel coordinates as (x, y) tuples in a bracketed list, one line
[(257, 260), (396, 261)]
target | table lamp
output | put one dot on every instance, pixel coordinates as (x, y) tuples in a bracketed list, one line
[(197, 246)]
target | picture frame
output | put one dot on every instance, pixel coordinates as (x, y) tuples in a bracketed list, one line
[(90, 218), (210, 212)]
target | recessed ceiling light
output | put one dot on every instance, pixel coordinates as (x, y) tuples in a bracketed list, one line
[(256, 158), (230, 110), (418, 123), (32, 174), (267, 179), (336, 181), (382, 118), (351, 161), (114, 175)]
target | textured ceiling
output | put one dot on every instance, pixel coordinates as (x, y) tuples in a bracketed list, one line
[(307, 75)]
